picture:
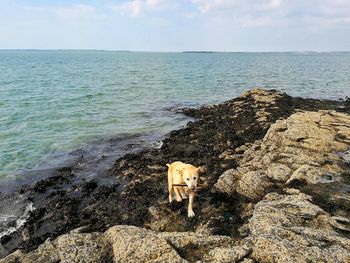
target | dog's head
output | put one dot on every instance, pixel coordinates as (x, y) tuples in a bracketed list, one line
[(190, 176)]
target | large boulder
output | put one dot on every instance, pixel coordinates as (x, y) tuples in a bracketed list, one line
[(133, 244), (306, 153), (290, 228), (68, 248), (311, 147), (124, 243)]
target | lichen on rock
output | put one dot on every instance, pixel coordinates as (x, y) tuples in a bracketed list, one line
[(289, 228), (125, 244), (304, 147)]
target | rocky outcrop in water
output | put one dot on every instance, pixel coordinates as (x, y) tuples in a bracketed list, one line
[(275, 189)]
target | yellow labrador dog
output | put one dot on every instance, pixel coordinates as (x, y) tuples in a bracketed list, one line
[(181, 177)]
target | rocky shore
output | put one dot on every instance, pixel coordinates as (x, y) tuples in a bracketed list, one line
[(275, 188)]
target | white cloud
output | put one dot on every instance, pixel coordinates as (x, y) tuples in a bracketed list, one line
[(251, 21), (138, 7), (270, 5), (133, 7), (76, 12), (206, 6), (264, 13)]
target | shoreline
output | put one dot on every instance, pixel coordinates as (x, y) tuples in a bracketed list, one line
[(135, 188), (96, 152), (108, 145), (89, 163)]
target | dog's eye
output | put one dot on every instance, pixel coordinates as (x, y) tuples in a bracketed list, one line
[(187, 179), (194, 178)]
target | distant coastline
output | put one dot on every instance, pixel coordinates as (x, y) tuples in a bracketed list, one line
[(184, 51), (190, 51)]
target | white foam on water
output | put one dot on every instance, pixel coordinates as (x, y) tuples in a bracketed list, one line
[(157, 144), (19, 222)]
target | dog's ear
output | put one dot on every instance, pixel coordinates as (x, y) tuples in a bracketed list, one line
[(168, 165)]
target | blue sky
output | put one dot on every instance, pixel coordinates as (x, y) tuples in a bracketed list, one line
[(176, 25)]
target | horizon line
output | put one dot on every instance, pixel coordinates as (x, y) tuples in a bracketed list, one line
[(184, 51)]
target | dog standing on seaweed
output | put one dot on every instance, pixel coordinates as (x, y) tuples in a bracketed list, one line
[(182, 178)]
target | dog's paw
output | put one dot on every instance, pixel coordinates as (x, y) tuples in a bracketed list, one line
[(179, 199), (191, 214)]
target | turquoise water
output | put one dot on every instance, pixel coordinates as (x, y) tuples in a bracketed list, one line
[(53, 102)]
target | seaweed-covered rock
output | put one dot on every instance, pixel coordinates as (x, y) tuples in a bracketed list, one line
[(307, 147), (308, 223)]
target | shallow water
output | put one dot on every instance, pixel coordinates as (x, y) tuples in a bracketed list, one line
[(55, 102)]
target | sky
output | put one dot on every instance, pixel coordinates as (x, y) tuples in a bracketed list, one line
[(176, 25)]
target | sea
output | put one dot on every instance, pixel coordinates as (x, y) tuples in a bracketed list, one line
[(58, 106)]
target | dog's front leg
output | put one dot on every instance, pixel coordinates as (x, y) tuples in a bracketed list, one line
[(183, 194), (190, 204), (170, 193), (177, 194)]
